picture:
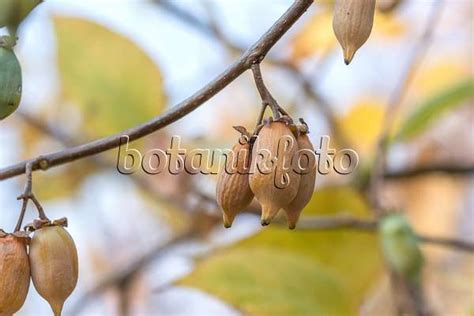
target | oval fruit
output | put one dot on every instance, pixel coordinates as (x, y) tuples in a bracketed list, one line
[(10, 82), (307, 181), (272, 179), (54, 265), (14, 273), (400, 246), (233, 189), (352, 24)]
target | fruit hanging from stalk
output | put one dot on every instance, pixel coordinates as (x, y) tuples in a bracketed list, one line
[(352, 24), (54, 264)]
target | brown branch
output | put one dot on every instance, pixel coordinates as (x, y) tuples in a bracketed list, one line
[(210, 30), (448, 242), (265, 95), (459, 170), (336, 222), (66, 140), (369, 225), (28, 195), (255, 53)]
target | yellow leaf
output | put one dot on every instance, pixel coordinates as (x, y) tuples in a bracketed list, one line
[(363, 124), (111, 80), (316, 36), (283, 272)]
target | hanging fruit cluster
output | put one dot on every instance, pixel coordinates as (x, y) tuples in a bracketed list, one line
[(49, 258), (267, 165)]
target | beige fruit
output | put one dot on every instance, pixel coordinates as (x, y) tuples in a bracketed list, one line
[(54, 266), (272, 179), (233, 190), (307, 182), (352, 24), (14, 273)]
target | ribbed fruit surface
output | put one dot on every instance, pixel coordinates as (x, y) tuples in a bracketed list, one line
[(267, 187), (307, 182), (54, 265), (14, 274), (352, 24), (233, 190)]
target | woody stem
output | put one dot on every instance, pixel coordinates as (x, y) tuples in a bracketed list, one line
[(28, 195), (265, 95)]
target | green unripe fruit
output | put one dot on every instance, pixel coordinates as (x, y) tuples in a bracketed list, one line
[(400, 246), (10, 82)]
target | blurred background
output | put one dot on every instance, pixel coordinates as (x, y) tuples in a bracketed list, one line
[(155, 245)]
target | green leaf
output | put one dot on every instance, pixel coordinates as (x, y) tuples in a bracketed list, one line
[(283, 272), (432, 109), (112, 81)]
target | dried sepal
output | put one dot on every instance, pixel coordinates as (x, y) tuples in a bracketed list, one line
[(40, 223)]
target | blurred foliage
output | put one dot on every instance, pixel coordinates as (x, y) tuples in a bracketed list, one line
[(114, 84), (316, 36), (362, 124), (112, 81), (282, 272), (430, 110)]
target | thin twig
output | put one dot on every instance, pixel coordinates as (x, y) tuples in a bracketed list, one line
[(28, 195), (369, 225), (336, 222), (265, 95), (455, 170), (395, 101), (306, 83), (255, 53), (102, 162)]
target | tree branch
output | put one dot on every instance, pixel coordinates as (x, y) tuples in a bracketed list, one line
[(369, 225), (306, 83), (458, 170), (255, 53), (265, 95)]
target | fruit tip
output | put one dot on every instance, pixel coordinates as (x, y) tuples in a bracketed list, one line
[(348, 55), (265, 222)]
